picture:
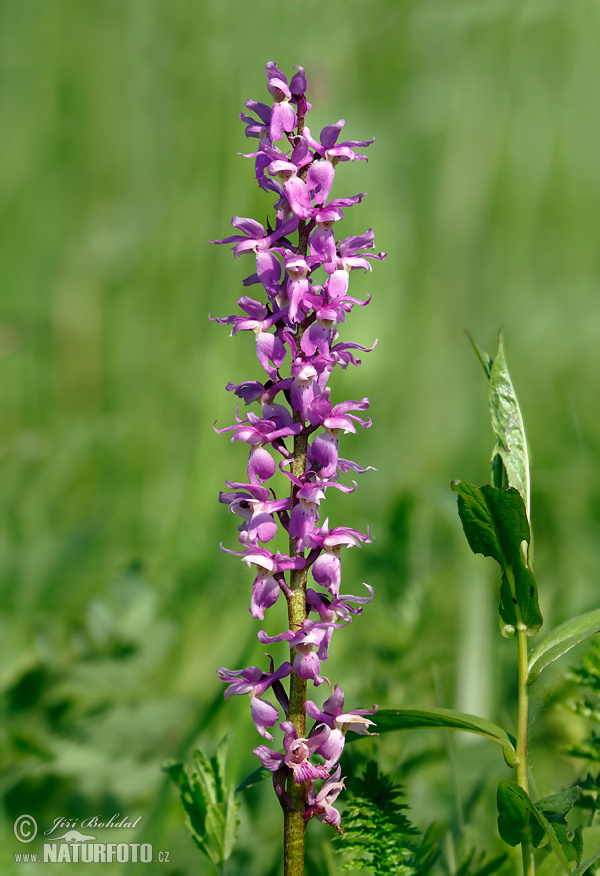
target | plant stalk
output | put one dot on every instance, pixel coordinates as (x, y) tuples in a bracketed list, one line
[(294, 824), (522, 732)]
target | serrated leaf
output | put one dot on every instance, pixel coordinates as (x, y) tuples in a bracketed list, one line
[(519, 820), (508, 426), (202, 778), (221, 829), (448, 719), (561, 639), (218, 763), (213, 841), (495, 523), (232, 823), (211, 811)]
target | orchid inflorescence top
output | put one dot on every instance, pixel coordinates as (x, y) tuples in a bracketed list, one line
[(301, 299)]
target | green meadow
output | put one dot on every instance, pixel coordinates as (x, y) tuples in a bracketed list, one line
[(120, 159)]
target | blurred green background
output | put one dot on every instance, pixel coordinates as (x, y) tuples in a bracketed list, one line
[(119, 160)]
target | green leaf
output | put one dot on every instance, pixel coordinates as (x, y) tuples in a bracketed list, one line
[(525, 596), (414, 719), (211, 810), (495, 523), (591, 843), (494, 520), (514, 813), (507, 423), (218, 765), (520, 820), (484, 358), (378, 836), (213, 843), (232, 823), (203, 779), (556, 806), (221, 829), (259, 775), (561, 639)]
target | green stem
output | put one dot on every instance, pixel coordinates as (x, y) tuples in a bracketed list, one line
[(523, 719), (293, 819), (294, 825)]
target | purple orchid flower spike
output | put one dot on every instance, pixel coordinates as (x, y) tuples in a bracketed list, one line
[(301, 302)]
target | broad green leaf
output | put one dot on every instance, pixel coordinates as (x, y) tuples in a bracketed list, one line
[(494, 520), (495, 523), (514, 813), (414, 719), (507, 423), (561, 639), (525, 595), (519, 820), (556, 806)]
